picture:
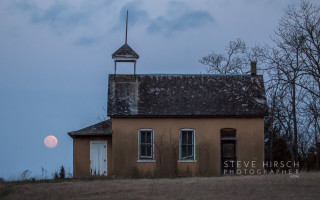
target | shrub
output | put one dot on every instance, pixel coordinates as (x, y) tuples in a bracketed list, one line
[(44, 173), (69, 174), (62, 173), (25, 174), (2, 180), (55, 175)]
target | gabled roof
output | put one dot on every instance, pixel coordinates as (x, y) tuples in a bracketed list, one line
[(99, 129), (125, 51), (186, 96)]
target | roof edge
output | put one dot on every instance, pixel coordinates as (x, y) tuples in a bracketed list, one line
[(247, 75), (188, 116), (103, 128), (88, 136)]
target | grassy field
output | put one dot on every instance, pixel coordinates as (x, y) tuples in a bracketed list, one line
[(306, 186)]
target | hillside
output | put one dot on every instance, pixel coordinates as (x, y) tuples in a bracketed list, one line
[(306, 186)]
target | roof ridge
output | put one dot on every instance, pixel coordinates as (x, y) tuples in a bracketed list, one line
[(249, 75)]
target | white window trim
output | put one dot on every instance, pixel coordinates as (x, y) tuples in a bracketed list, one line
[(152, 138), (187, 161), (194, 145), (146, 161)]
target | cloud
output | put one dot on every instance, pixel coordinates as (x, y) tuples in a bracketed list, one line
[(86, 41), (178, 16), (182, 22), (58, 15), (82, 18), (25, 5), (61, 15), (136, 15), (175, 8)]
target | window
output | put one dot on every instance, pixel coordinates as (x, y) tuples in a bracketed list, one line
[(187, 144), (145, 144)]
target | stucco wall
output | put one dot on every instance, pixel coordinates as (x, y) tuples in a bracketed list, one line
[(81, 155), (250, 145)]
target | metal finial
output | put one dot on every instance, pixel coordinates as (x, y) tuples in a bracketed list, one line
[(127, 27)]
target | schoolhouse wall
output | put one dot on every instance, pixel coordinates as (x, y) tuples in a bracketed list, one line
[(81, 155), (249, 145)]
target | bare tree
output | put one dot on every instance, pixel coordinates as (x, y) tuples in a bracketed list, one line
[(312, 116), (103, 116), (292, 67), (234, 61), (304, 22), (285, 71)]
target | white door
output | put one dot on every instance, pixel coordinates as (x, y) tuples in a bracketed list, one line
[(98, 158)]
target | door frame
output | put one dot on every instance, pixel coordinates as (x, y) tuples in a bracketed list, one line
[(99, 142), (235, 154)]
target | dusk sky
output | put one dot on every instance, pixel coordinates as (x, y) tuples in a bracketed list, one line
[(55, 58)]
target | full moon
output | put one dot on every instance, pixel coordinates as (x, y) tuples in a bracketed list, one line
[(50, 141)]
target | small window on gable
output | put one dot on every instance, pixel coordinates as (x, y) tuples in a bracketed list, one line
[(186, 148), (145, 144)]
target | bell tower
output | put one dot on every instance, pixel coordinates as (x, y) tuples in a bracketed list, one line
[(125, 53)]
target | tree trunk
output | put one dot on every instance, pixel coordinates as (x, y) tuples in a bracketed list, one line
[(295, 126), (316, 140)]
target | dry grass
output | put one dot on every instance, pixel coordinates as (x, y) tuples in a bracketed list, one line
[(306, 186)]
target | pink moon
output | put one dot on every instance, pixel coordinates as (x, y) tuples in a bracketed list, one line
[(50, 141)]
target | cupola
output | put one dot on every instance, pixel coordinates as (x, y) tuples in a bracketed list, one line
[(125, 53)]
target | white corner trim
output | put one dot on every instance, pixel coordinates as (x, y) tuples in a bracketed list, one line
[(187, 161), (146, 161)]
